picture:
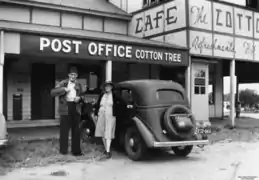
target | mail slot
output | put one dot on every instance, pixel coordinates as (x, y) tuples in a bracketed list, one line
[(17, 107)]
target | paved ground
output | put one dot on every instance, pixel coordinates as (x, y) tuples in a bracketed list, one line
[(223, 160)]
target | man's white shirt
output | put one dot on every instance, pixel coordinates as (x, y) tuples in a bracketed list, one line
[(71, 95)]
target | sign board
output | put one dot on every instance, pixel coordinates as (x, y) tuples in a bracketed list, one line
[(234, 30), (163, 18), (100, 50)]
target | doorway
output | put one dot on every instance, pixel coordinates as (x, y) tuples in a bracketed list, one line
[(42, 81), (200, 97)]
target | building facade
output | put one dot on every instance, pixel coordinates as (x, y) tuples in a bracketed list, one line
[(195, 43), (40, 40), (222, 38)]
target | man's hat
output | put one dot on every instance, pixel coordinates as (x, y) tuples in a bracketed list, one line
[(73, 70)]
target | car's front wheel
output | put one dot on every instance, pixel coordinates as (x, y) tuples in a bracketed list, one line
[(182, 150), (134, 145)]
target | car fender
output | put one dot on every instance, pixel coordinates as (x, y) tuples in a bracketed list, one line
[(145, 132)]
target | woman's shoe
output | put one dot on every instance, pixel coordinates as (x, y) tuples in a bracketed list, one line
[(109, 155)]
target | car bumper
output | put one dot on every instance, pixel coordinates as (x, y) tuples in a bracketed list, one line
[(3, 142), (180, 143)]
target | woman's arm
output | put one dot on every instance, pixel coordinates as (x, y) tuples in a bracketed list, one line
[(97, 105)]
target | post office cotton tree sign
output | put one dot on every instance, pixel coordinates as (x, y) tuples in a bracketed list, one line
[(100, 50)]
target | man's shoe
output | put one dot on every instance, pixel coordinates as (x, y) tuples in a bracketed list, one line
[(63, 153), (78, 154)]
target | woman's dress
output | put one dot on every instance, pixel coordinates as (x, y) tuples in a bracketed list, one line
[(106, 122)]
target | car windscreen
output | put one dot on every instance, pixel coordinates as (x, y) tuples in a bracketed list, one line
[(169, 95)]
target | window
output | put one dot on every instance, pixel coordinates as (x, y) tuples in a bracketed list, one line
[(152, 2), (126, 95), (169, 95), (145, 3), (200, 82), (251, 3)]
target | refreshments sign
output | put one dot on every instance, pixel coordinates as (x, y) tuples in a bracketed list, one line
[(100, 50)]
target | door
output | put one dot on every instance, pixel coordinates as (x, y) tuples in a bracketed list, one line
[(200, 94), (42, 81)]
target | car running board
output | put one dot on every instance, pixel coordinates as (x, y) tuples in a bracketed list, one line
[(180, 143)]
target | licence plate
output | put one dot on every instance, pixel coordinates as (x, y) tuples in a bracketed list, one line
[(203, 130)]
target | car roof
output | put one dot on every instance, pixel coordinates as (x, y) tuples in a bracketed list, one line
[(145, 90), (147, 83)]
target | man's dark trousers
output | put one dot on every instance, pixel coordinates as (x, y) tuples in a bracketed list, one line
[(67, 122)]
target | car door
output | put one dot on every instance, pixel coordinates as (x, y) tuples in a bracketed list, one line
[(125, 106)]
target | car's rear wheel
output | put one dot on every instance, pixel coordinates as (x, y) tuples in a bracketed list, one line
[(134, 145), (182, 150)]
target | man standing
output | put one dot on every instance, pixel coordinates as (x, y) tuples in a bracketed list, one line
[(70, 96)]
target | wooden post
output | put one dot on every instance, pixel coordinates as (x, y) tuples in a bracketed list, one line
[(2, 56), (188, 80), (108, 70), (232, 93)]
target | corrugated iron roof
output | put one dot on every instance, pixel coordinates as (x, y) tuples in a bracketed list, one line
[(90, 5)]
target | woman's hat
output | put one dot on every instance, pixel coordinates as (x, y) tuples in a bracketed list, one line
[(108, 83)]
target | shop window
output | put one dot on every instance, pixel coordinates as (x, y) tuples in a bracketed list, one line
[(200, 82)]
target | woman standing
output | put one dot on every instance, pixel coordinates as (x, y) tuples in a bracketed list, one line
[(105, 112)]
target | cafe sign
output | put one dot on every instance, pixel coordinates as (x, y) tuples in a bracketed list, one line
[(156, 20), (100, 50), (228, 31)]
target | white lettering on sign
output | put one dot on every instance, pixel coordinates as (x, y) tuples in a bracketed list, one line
[(166, 17), (58, 45), (158, 56), (103, 50), (107, 49)]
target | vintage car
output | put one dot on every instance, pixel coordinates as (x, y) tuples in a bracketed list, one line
[(3, 132), (156, 114)]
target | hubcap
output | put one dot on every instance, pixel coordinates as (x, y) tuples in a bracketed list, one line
[(131, 142)]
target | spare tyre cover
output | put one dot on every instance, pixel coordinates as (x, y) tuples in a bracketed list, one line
[(169, 123)]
